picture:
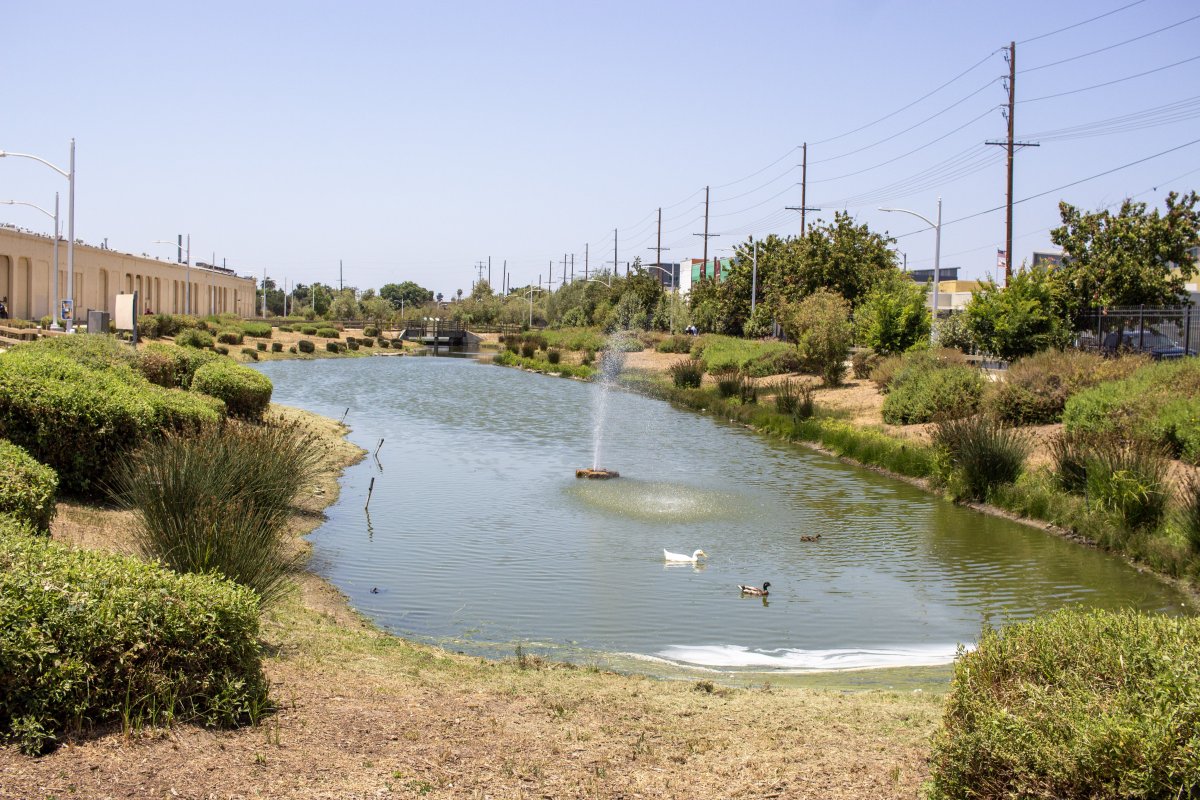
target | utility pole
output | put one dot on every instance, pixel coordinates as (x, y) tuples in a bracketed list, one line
[(707, 236), (803, 207), (489, 273), (341, 283), (564, 277), (1010, 145), (658, 245), (572, 267), (585, 261), (504, 279), (549, 277), (616, 264)]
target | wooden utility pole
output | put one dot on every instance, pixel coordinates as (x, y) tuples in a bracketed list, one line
[(803, 207), (572, 267), (489, 273), (616, 264), (564, 277), (707, 236), (1010, 145), (585, 260), (658, 246)]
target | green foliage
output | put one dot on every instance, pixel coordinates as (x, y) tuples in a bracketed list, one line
[(728, 384), (976, 454), (795, 399), (246, 393), (760, 323), (352, 344), (407, 293), (926, 390), (276, 347), (1129, 258), (892, 317), (687, 373), (507, 358), (91, 351), (367, 341), (251, 353), (553, 356), (1035, 388), (675, 344), (194, 337), (1129, 479), (864, 362), (261, 330), (221, 349), (1026, 317), (841, 257), (1157, 403), (305, 346), (90, 639), (308, 330), (334, 347), (820, 326), (1189, 512), (952, 332), (370, 330), (27, 488), (1074, 705), (328, 333), (230, 337), (80, 419)]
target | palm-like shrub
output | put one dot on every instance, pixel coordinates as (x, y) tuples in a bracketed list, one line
[(687, 373), (977, 453), (1129, 479)]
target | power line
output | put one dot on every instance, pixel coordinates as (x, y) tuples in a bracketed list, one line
[(1109, 83), (1084, 22), (1110, 47)]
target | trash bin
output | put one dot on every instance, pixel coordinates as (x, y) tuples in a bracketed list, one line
[(97, 321)]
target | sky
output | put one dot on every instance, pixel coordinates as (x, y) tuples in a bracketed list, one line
[(412, 141)]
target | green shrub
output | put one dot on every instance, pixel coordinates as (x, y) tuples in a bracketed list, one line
[(1189, 512), (728, 384), (91, 639), (384, 343), (220, 501), (795, 399), (293, 350), (952, 333), (246, 393), (1129, 479), (306, 346), (352, 344), (776, 359), (1019, 320), (328, 333), (230, 337), (1035, 389), (976, 454), (259, 330), (194, 337), (621, 344), (747, 389), (250, 353), (349, 340), (158, 367), (892, 317), (45, 322), (93, 352), (308, 330), (285, 328), (398, 343), (221, 349), (528, 349), (553, 356), (147, 327), (367, 341), (687, 373), (924, 392), (863, 362), (260, 346), (1073, 705), (27, 488), (820, 326), (675, 344), (276, 347), (1069, 453), (79, 420), (370, 330), (884, 370)]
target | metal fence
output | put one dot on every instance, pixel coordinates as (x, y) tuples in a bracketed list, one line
[(1162, 333)]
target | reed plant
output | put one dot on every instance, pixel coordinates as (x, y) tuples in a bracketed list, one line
[(1069, 452), (1189, 512), (747, 389), (219, 501), (687, 373), (977, 453), (1129, 479), (728, 385)]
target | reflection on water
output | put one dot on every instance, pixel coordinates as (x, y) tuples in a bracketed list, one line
[(480, 536)]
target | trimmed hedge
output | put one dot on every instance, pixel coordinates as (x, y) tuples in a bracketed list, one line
[(334, 347), (305, 346), (79, 420), (194, 337), (246, 393), (230, 337), (260, 330), (153, 360), (90, 639), (1094, 704), (27, 488), (328, 333), (276, 347)]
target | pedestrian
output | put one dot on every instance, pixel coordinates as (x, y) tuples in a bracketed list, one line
[(4, 307)]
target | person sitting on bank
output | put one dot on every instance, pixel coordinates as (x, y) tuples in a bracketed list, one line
[(4, 307)]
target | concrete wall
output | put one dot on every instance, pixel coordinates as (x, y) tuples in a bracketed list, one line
[(27, 280)]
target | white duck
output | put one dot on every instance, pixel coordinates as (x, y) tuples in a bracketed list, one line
[(669, 556)]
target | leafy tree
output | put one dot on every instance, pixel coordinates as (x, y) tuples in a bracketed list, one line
[(344, 305), (1022, 319), (1129, 258), (892, 317), (408, 294), (840, 256), (482, 290), (820, 326), (376, 310)]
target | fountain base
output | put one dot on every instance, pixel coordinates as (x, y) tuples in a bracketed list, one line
[(597, 474)]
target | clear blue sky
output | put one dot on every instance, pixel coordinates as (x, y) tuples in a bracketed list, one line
[(412, 140)]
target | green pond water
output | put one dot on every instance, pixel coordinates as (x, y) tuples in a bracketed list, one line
[(479, 536)]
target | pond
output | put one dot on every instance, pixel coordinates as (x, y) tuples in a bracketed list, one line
[(479, 537)]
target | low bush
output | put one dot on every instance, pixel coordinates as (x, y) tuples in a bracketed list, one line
[(687, 373), (1189, 512), (251, 353), (747, 389), (305, 346), (1069, 453), (624, 344), (158, 367), (370, 330), (398, 343), (147, 327), (863, 362), (308, 330), (221, 349), (328, 333), (528, 349), (285, 328), (259, 330), (574, 339), (509, 359), (1035, 389), (90, 639), (367, 341), (194, 337), (260, 346), (93, 352), (276, 347), (728, 384), (588, 358), (79, 420), (553, 356), (1129, 479), (384, 343), (27, 488), (776, 359), (294, 350), (820, 326), (246, 392), (349, 340), (1075, 704), (351, 344), (975, 454), (334, 347), (795, 399), (230, 337), (925, 391), (675, 344)]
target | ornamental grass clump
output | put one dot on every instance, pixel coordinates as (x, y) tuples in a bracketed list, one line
[(1189, 512), (975, 454), (687, 373), (90, 639), (220, 501), (1074, 705), (1129, 479)]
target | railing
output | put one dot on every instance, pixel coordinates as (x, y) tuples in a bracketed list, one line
[(1160, 332)]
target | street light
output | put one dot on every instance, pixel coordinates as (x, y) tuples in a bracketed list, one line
[(54, 216), (70, 176), (187, 272), (670, 272), (529, 294), (937, 256)]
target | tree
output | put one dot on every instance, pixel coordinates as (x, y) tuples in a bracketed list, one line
[(840, 256), (1127, 259), (892, 317), (1022, 319), (376, 310), (820, 326), (344, 306), (408, 294)]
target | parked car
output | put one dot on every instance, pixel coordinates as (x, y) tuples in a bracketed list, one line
[(1159, 346)]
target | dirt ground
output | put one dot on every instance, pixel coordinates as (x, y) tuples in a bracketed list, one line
[(363, 714)]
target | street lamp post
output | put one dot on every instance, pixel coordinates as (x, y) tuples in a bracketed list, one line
[(670, 272), (529, 294), (54, 216), (70, 176), (937, 256), (187, 272)]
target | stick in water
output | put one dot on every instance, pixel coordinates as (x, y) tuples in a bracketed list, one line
[(343, 419), (377, 449), (370, 489)]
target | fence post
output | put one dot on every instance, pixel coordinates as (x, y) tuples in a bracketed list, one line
[(1187, 331), (1141, 326)]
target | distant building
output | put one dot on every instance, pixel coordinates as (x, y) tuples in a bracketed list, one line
[(668, 274), (926, 275), (1047, 260), (690, 271)]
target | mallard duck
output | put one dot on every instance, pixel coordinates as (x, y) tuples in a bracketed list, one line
[(669, 556), (754, 590), (812, 538)]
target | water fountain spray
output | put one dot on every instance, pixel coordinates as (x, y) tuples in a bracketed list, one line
[(612, 360)]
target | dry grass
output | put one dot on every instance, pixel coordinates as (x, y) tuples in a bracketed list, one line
[(365, 714)]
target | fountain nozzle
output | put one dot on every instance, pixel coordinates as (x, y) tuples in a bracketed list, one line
[(597, 473)]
